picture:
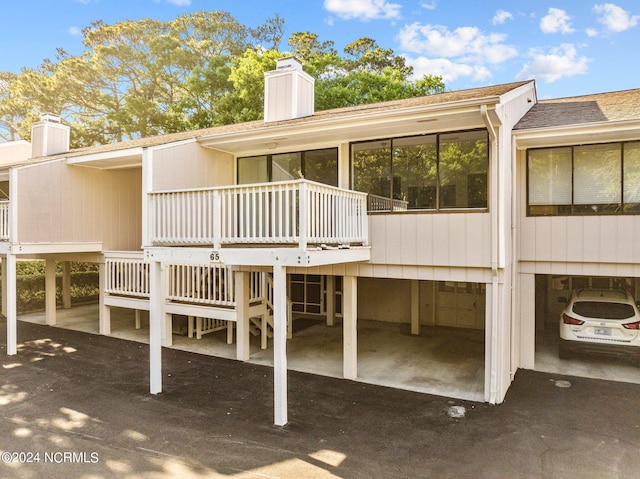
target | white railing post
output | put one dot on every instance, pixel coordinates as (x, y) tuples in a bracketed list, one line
[(4, 220), (303, 215), (217, 219), (364, 220)]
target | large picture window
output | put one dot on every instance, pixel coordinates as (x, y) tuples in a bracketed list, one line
[(315, 165), (428, 172), (583, 180)]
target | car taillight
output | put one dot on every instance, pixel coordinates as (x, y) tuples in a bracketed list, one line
[(635, 325), (566, 319)]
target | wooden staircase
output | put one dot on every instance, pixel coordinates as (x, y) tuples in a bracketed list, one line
[(262, 324)]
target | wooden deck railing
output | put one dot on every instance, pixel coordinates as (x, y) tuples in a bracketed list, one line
[(127, 274), (4, 220), (381, 203), (299, 212)]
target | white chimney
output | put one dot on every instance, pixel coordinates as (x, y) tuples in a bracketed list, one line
[(49, 136), (288, 91)]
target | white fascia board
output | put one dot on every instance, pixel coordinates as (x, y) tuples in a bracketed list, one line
[(586, 133), (54, 248), (105, 156), (172, 144), (258, 256), (419, 112), (516, 92), (36, 165)]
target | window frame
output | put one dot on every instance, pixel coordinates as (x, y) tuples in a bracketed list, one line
[(575, 209), (269, 159), (438, 186)]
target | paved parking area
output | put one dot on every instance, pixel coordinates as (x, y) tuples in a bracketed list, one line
[(79, 403)]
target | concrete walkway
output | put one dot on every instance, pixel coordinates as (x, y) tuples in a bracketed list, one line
[(79, 404)]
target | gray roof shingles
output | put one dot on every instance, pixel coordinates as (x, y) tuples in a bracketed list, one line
[(428, 100), (580, 110)]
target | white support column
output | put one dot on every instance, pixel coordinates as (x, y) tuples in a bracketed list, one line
[(415, 307), (66, 285), (4, 287), (330, 305), (527, 320), (490, 373), (350, 327), (243, 346), (50, 292), (156, 318), (280, 345), (167, 327), (12, 322), (104, 311)]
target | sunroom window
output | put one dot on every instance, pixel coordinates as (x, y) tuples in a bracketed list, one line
[(315, 165), (427, 172), (600, 179)]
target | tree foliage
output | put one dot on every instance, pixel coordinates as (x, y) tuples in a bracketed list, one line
[(148, 77)]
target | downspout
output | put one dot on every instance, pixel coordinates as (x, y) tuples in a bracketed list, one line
[(514, 256), (495, 208)]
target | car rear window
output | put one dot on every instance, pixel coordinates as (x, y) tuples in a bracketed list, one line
[(603, 310)]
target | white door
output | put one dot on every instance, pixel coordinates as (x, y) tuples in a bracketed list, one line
[(460, 304)]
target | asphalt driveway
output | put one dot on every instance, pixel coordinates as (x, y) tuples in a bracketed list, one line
[(75, 405)]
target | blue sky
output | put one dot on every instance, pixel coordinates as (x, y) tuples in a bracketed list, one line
[(570, 47)]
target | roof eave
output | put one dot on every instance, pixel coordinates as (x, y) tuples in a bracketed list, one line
[(622, 130)]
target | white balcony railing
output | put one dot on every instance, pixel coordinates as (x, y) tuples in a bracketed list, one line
[(380, 203), (4, 220), (298, 212), (127, 274)]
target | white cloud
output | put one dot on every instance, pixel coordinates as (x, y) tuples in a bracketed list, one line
[(559, 62), (429, 5), (592, 32), (556, 20), (180, 3), (74, 31), (448, 70), (501, 16), (615, 18), (364, 10), (467, 44)]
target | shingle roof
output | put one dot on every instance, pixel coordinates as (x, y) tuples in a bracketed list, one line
[(428, 100), (578, 110)]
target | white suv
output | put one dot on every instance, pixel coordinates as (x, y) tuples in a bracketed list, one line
[(600, 321)]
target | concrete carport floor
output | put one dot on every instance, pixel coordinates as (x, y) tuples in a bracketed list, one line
[(71, 392), (584, 365), (443, 361)]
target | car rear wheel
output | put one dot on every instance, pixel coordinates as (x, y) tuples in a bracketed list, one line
[(563, 352)]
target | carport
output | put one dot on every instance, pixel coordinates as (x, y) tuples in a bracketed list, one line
[(446, 357), (544, 326)]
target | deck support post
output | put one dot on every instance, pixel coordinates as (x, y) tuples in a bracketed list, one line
[(156, 318), (331, 300), (415, 307), (280, 344), (4, 287), (243, 346), (66, 285), (104, 313), (50, 291), (12, 319), (350, 327)]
